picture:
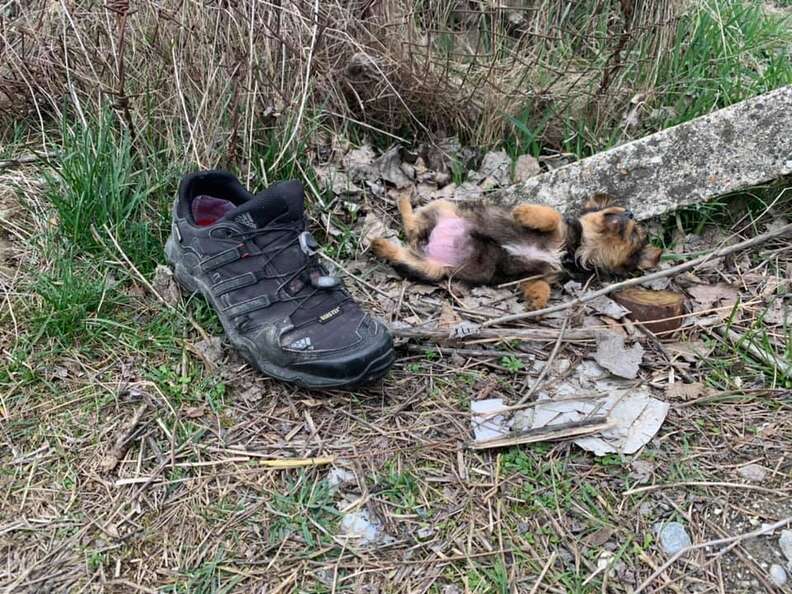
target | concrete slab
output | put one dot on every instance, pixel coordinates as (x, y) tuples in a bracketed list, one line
[(741, 146)]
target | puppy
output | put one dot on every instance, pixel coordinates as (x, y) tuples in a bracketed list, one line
[(484, 244)]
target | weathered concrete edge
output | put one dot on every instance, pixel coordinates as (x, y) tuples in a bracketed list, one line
[(743, 145)]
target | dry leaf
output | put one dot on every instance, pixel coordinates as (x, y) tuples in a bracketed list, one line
[(615, 357), (211, 350), (165, 285), (608, 307), (691, 351), (779, 312), (390, 168), (373, 228), (358, 164), (711, 296), (193, 412), (338, 182), (448, 318), (680, 391)]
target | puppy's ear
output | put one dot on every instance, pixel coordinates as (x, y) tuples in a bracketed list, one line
[(599, 201), (650, 256)]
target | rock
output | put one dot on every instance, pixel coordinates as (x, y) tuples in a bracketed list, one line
[(525, 168), (210, 350), (785, 542), (425, 533), (497, 166), (716, 154), (753, 473), (467, 191), (164, 284), (778, 575), (672, 536)]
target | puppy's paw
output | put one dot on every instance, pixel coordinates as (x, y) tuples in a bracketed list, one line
[(384, 248), (536, 294), (537, 216)]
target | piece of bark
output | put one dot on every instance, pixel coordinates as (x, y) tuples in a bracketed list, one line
[(111, 460), (740, 146), (659, 311)]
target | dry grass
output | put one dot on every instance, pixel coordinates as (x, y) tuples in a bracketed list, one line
[(211, 80), (190, 507)]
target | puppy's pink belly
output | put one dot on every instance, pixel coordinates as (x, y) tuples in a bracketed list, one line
[(449, 242)]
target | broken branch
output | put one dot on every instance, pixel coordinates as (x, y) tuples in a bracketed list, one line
[(121, 445), (548, 433)]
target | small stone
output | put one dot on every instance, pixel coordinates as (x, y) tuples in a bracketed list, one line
[(425, 533), (753, 473), (525, 168), (641, 470), (210, 350), (165, 285), (496, 165), (785, 542), (467, 191), (778, 575), (673, 537)]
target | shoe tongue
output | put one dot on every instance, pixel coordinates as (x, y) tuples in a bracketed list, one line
[(282, 201)]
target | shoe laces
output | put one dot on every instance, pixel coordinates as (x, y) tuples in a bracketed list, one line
[(280, 238)]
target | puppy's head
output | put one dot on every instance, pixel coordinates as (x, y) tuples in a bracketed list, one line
[(612, 240)]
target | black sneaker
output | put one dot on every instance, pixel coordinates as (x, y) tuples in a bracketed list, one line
[(253, 260)]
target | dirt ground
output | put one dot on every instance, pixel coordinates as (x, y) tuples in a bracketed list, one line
[(154, 462)]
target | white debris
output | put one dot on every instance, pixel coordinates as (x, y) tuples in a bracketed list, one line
[(487, 424), (778, 575), (753, 472), (339, 476), (785, 542), (359, 527), (673, 537), (615, 357)]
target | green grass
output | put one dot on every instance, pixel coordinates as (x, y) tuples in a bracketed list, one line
[(102, 187), (728, 50), (305, 505)]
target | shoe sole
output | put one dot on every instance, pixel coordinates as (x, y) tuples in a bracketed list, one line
[(375, 370)]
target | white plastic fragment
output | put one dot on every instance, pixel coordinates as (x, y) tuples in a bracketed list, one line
[(486, 424)]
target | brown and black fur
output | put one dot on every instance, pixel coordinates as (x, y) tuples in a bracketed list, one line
[(603, 237)]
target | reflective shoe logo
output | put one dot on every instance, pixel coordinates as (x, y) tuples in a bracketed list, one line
[(327, 316), (246, 220), (301, 344)]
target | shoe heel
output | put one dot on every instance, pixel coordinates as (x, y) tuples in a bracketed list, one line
[(180, 273)]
